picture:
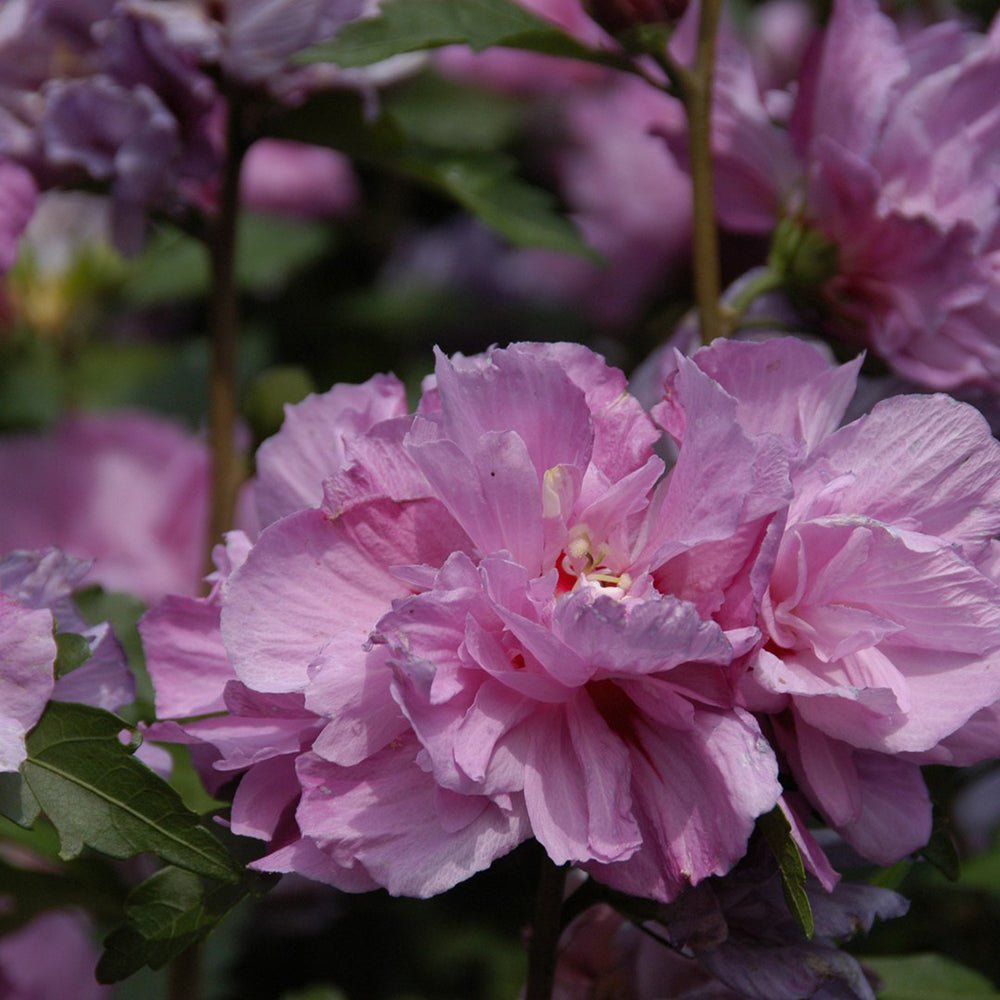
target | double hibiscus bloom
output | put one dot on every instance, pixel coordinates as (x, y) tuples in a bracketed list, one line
[(503, 617)]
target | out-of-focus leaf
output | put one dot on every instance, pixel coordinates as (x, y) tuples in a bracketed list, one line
[(484, 183), (487, 187), (16, 801), (91, 884), (264, 405), (109, 375), (940, 850), (982, 872), (269, 251), (31, 384), (97, 794), (778, 834), (413, 25), (928, 977), (476, 120)]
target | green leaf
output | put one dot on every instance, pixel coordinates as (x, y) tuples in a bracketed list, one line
[(940, 850), (16, 801), (413, 25), (487, 187), (476, 120), (778, 834), (267, 394), (484, 183), (91, 884), (166, 915), (97, 794), (928, 977), (269, 251), (72, 651)]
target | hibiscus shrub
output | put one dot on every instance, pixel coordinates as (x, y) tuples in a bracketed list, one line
[(638, 637)]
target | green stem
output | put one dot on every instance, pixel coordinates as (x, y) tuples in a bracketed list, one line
[(695, 88), (544, 941), (735, 310), (224, 325)]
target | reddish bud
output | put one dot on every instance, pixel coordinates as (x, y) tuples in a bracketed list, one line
[(617, 16)]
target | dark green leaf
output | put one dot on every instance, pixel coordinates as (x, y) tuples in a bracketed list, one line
[(16, 801), (97, 794), (476, 120), (269, 251), (91, 884), (928, 977), (413, 25), (72, 652), (940, 850), (166, 914), (778, 834)]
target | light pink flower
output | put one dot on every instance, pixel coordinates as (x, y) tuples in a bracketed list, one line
[(499, 552), (880, 616), (262, 733), (127, 490)]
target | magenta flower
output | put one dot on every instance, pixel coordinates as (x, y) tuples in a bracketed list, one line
[(889, 159), (126, 490)]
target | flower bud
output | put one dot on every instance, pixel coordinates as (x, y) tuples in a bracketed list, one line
[(616, 16)]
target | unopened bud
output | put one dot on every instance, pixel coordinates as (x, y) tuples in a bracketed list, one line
[(617, 16)]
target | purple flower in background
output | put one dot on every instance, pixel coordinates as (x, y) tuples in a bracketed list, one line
[(126, 490), (295, 179), (40, 960), (730, 938), (885, 169), (17, 203)]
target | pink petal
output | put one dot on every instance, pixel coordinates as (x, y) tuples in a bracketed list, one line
[(185, 656), (310, 447), (383, 814), (923, 462), (697, 794), (312, 580)]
